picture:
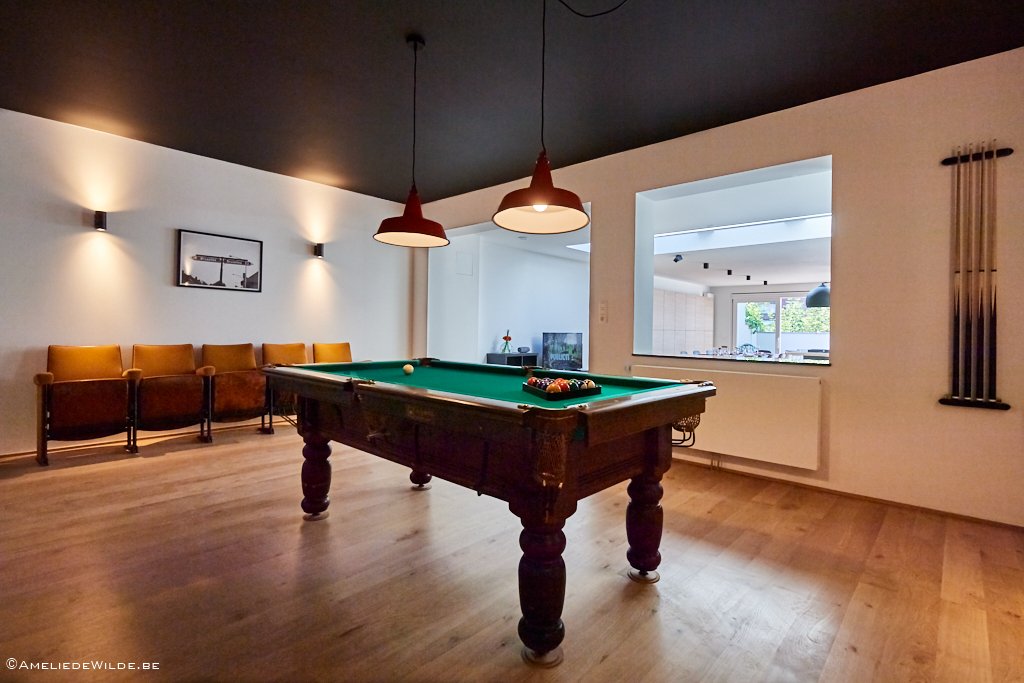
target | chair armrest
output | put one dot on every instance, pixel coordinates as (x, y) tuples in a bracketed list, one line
[(43, 378), (206, 371), (132, 374)]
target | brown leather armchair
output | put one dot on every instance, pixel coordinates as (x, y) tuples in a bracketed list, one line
[(171, 393), (340, 352), (84, 394), (279, 402), (239, 387)]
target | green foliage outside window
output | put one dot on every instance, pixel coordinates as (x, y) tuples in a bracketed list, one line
[(798, 318), (759, 317)]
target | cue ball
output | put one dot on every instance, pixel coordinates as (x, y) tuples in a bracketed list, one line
[(407, 369)]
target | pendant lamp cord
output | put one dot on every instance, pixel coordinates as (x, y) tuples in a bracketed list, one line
[(595, 14), (543, 60), (543, 68), (415, 56)]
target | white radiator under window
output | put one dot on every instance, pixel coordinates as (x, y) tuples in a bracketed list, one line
[(771, 418)]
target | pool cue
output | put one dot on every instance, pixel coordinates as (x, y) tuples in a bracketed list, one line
[(974, 174), (954, 220), (990, 304)]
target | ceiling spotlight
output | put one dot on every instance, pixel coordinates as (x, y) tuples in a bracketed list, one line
[(677, 258)]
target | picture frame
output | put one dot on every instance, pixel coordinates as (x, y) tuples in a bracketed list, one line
[(210, 261), (562, 350)]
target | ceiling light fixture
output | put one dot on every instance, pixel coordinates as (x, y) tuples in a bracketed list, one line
[(411, 229), (542, 208), (819, 297), (677, 258), (749, 224)]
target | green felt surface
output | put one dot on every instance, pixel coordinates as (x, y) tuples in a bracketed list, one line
[(497, 382)]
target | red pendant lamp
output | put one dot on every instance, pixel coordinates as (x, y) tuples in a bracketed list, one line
[(411, 229), (542, 208)]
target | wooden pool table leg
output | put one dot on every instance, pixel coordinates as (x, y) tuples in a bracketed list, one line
[(316, 476), (644, 521), (542, 591)]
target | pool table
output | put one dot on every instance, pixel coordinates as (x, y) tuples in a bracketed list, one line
[(476, 426)]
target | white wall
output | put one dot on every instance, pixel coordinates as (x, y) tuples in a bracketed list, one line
[(64, 283), (884, 434), (798, 195), (453, 318), (528, 294), (643, 281), (478, 289)]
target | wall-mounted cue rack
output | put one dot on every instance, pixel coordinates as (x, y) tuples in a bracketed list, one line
[(973, 274)]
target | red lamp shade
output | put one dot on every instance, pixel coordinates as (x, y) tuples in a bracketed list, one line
[(542, 208), (411, 229)]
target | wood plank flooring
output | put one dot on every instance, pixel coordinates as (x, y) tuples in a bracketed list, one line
[(196, 557)]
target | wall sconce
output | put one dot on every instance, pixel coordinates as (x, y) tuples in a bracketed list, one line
[(318, 250), (99, 221)]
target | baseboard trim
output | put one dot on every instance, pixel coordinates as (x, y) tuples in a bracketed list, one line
[(845, 494), (148, 438)]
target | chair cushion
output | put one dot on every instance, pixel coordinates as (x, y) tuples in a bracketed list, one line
[(238, 395), (170, 401), (164, 359), (287, 354), (88, 409), (229, 357), (84, 362), (340, 352)]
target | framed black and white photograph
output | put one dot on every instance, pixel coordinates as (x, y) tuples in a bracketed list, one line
[(219, 262)]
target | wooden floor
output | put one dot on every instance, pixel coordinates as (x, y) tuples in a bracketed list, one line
[(196, 557)]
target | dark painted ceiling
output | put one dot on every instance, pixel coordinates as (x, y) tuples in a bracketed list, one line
[(323, 90)]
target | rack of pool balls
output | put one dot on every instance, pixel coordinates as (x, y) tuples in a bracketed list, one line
[(559, 388)]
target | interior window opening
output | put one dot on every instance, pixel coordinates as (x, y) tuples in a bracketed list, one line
[(737, 267)]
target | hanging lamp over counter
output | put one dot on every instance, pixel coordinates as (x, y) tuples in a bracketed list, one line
[(411, 229), (819, 297), (542, 208)]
